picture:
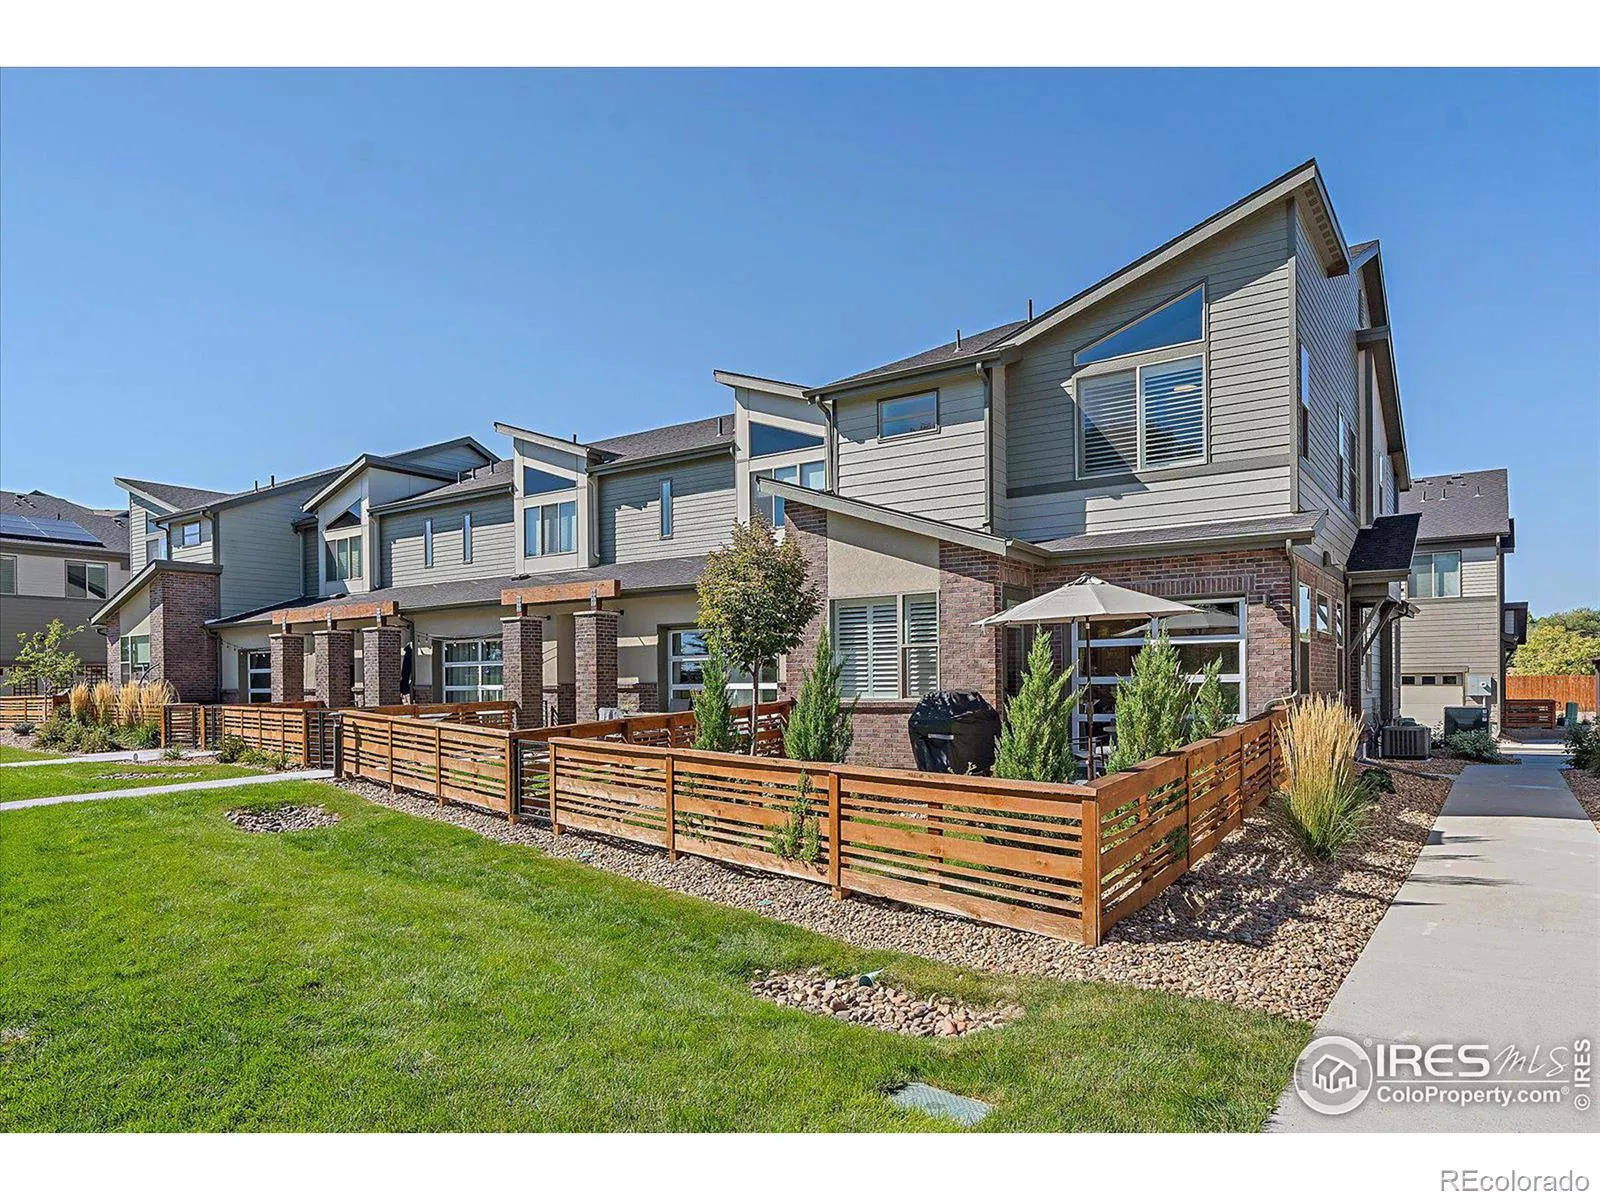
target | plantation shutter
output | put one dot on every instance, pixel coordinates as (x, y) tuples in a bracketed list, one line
[(866, 638), (1174, 411), (1109, 411), (921, 645)]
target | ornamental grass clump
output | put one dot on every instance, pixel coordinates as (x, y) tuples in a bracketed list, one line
[(1323, 808)]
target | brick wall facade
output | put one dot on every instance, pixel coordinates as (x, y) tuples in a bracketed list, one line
[(563, 699), (114, 647), (522, 663), (640, 697), (182, 650), (288, 652), (1327, 677), (382, 647), (336, 664), (595, 651)]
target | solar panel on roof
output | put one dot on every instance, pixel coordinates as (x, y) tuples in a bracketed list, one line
[(45, 529)]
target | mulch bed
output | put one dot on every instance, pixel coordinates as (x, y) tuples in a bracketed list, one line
[(288, 818), (1585, 786), (1253, 924), (864, 1001)]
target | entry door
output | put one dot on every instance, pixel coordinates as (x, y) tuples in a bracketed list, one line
[(258, 677)]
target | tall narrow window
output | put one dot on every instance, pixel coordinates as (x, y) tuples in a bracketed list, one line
[(1352, 484), (666, 508), (8, 574), (1305, 401), (466, 537), (1344, 463), (920, 644), (427, 541), (1303, 642)]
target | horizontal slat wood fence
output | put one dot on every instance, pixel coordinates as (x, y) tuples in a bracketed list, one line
[(1528, 714), (303, 732), (498, 714), (28, 708), (441, 759), (1563, 689)]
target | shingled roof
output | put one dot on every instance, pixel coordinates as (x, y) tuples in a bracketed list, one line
[(704, 434), (1469, 504), (970, 344), (178, 497), (107, 526)]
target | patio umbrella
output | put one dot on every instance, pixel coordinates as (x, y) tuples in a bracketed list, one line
[(1086, 599)]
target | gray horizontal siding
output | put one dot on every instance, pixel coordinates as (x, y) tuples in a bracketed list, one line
[(139, 528), (27, 615), (261, 551), (1249, 393), (940, 474), (493, 543), (1327, 315), (1452, 635), (308, 562), (195, 554), (455, 458), (703, 511)]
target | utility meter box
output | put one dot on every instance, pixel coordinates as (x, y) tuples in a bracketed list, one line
[(1480, 686)]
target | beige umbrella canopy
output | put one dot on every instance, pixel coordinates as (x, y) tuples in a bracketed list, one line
[(1086, 599)]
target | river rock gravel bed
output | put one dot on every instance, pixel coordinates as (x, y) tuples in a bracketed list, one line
[(1585, 786), (878, 1005), (288, 818), (1251, 924)]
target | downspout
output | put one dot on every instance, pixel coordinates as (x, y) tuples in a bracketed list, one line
[(988, 447), (830, 444), (1295, 682)]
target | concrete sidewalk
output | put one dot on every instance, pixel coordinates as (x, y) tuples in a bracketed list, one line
[(197, 785), (110, 756), (1493, 939)]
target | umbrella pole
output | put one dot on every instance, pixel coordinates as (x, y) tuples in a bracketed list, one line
[(1088, 675)]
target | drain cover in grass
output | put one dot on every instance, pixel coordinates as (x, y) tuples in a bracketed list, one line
[(939, 1103)]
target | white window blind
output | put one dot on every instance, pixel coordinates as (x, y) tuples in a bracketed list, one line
[(888, 646), (921, 649), (1174, 411), (1110, 408)]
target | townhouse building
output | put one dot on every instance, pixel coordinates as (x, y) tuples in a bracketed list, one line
[(58, 560), (1218, 422), (1459, 644)]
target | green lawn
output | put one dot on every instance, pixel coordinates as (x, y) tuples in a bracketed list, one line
[(71, 779), (17, 754), (165, 970)]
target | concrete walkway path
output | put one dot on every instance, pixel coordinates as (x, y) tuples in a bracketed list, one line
[(197, 785), (110, 756), (1494, 939)]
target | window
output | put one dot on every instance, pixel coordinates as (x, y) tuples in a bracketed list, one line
[(258, 677), (908, 414), (191, 533), (1344, 462), (1216, 632), (1323, 626), (536, 482), (1303, 641), (1338, 641), (1409, 680), (550, 529), (888, 646), (154, 549), (427, 541), (1451, 680), (86, 580), (473, 670), (686, 657), (1305, 401), (1435, 576), (344, 558), (1151, 416), (8, 574), (666, 508), (135, 657), (466, 537), (1175, 323), (774, 439), (810, 475)]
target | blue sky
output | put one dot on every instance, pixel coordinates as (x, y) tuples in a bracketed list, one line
[(207, 277)]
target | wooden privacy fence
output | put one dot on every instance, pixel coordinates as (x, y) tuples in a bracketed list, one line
[(1528, 714), (1562, 689), (28, 708)]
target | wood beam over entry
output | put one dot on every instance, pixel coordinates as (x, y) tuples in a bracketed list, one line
[(563, 593), (353, 610)]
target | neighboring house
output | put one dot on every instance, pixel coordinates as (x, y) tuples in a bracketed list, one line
[(57, 559), (1456, 650), (1218, 422)]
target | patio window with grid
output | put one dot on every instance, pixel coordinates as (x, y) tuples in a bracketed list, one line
[(473, 670), (686, 660)]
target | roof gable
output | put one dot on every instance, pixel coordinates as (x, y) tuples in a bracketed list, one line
[(1468, 504)]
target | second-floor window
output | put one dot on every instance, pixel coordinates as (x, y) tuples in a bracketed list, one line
[(538, 483), (812, 475), (191, 533), (466, 537), (1303, 438), (666, 508), (344, 558), (550, 529), (1435, 576), (427, 541), (1148, 416), (8, 574), (155, 549), (1347, 493), (86, 581), (908, 414)]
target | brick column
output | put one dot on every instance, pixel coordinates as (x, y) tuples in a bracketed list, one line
[(381, 649), (336, 666), (114, 649), (595, 649), (288, 667), (522, 652), (182, 650)]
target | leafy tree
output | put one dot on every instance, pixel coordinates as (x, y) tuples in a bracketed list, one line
[(1578, 620), (713, 711), (43, 659), (1152, 707), (1212, 712), (755, 602), (1554, 649), (1036, 731), (821, 727)]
